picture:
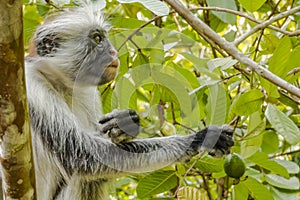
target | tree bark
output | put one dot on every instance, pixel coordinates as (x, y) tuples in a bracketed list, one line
[(15, 142)]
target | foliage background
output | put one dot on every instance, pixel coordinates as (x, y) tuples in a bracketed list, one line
[(180, 82)]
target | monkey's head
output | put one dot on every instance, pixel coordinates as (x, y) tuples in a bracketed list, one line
[(76, 43)]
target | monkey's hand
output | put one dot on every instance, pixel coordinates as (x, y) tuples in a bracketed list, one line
[(217, 140), (120, 125)]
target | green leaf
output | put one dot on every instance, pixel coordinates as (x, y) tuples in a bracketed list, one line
[(188, 193), (250, 146), (253, 173), (291, 167), (248, 102), (270, 142), (283, 194), (261, 159), (282, 124), (128, 23), (240, 192), (280, 58), (43, 9), (157, 7), (124, 62), (225, 17), (157, 55), (271, 41), (200, 65), (204, 86), (156, 182), (141, 74), (256, 125), (216, 107), (278, 181), (217, 24), (220, 174), (252, 5), (224, 63), (188, 75), (109, 101), (125, 91), (200, 62), (284, 59), (175, 83), (210, 164), (256, 189), (271, 89)]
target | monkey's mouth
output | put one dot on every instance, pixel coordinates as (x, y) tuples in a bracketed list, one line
[(110, 72), (114, 64)]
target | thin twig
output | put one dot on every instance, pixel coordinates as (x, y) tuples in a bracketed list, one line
[(284, 154), (294, 71), (161, 113), (265, 24), (177, 123), (197, 158), (241, 14), (220, 187), (137, 30), (206, 187)]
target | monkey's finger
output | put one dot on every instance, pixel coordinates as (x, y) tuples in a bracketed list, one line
[(130, 114), (117, 136), (105, 118), (225, 140), (119, 114), (219, 152), (114, 132), (130, 125), (113, 123), (134, 118)]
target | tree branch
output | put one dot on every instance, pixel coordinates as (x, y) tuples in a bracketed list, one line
[(230, 48), (16, 157)]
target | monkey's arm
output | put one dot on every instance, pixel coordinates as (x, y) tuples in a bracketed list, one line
[(80, 152), (84, 152)]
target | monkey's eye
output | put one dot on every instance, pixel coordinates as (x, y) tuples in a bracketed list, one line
[(98, 38)]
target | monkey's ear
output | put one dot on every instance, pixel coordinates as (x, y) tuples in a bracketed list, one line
[(47, 45)]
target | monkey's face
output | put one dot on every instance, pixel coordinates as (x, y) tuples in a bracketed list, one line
[(76, 43), (100, 62)]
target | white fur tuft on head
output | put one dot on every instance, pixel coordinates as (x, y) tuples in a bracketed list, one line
[(75, 21), (97, 4)]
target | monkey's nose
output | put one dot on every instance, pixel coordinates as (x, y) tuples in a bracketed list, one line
[(113, 52)]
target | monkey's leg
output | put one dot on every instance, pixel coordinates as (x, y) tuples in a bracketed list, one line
[(120, 125)]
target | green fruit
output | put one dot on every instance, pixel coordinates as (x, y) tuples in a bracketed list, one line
[(234, 165)]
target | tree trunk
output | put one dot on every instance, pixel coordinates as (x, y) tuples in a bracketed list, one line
[(15, 142)]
